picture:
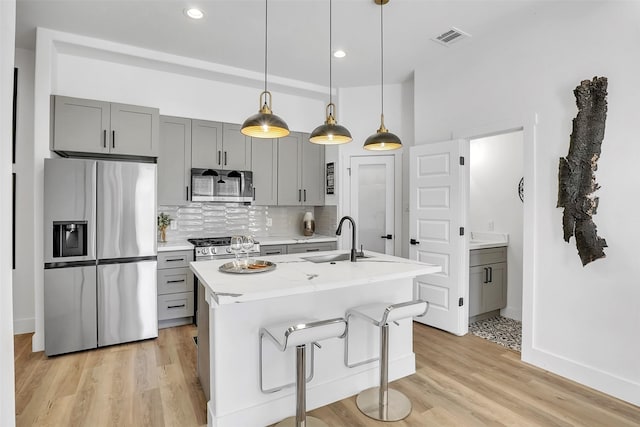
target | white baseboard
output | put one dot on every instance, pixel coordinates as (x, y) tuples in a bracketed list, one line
[(24, 326), (589, 376)]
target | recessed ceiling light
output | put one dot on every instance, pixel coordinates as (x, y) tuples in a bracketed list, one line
[(339, 53), (194, 13)]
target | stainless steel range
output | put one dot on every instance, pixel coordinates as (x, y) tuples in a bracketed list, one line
[(210, 248)]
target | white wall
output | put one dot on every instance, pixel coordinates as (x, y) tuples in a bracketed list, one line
[(580, 322), (72, 65), (495, 169), (359, 111), (23, 275), (7, 37)]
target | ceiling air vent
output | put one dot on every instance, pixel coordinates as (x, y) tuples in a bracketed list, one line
[(450, 36)]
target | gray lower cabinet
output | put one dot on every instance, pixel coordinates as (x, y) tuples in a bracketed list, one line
[(487, 281), (104, 128), (264, 164), (300, 171), (273, 250), (216, 145), (175, 289), (174, 161), (297, 248), (300, 248)]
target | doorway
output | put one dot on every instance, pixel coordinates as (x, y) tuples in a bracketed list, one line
[(496, 210), (372, 201)]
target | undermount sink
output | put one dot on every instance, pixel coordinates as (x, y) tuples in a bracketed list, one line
[(331, 258)]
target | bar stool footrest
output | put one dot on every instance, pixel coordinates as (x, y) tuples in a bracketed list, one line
[(398, 407), (311, 422)]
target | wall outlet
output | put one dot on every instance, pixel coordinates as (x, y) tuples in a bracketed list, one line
[(174, 225), (269, 222)]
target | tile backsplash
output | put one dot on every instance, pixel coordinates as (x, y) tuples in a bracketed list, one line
[(226, 219)]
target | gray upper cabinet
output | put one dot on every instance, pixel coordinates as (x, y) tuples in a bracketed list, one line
[(218, 145), (300, 171), (134, 130), (81, 125), (264, 164), (312, 172), (236, 148), (289, 189), (206, 137), (90, 126), (174, 161)]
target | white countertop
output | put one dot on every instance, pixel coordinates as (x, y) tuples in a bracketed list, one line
[(486, 240), (294, 275), (175, 245), (293, 239)]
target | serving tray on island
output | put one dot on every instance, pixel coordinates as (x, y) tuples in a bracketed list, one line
[(256, 266)]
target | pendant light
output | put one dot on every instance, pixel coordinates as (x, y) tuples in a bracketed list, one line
[(382, 139), (265, 124), (330, 133)]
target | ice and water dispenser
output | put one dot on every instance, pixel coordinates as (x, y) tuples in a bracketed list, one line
[(69, 238)]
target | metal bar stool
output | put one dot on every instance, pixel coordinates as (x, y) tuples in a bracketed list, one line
[(299, 334), (383, 403)]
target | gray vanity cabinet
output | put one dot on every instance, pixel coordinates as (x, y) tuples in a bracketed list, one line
[(264, 164), (487, 281), (174, 161), (300, 171), (216, 145), (104, 128)]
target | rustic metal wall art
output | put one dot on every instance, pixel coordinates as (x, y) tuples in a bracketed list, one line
[(577, 181)]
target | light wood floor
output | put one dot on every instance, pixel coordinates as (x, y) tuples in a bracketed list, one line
[(460, 381)]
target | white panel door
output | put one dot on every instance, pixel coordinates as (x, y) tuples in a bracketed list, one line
[(438, 211), (372, 195)]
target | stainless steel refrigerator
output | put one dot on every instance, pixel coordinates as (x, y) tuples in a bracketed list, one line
[(100, 253)]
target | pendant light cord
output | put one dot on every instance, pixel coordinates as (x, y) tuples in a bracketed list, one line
[(265, 44), (330, 56), (381, 61)]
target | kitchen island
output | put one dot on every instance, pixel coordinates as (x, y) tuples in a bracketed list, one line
[(238, 305)]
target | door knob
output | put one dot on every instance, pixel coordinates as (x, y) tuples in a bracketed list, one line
[(388, 236), (414, 242)]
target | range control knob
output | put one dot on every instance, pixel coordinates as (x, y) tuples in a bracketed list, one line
[(204, 251), (228, 250)]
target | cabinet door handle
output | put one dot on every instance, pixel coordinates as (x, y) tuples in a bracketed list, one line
[(219, 154), (486, 275), (187, 187), (104, 138), (175, 259), (490, 274), (254, 194), (225, 158), (299, 195), (175, 281), (113, 139), (273, 253), (313, 250), (305, 194), (388, 236), (177, 306), (414, 242)]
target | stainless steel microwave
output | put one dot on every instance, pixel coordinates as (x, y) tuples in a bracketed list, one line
[(216, 185)]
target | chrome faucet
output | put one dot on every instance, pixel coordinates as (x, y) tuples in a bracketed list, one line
[(354, 253)]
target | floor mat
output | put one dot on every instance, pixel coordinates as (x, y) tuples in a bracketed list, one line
[(500, 330)]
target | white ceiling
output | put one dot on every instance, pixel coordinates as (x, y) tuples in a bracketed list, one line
[(232, 32)]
